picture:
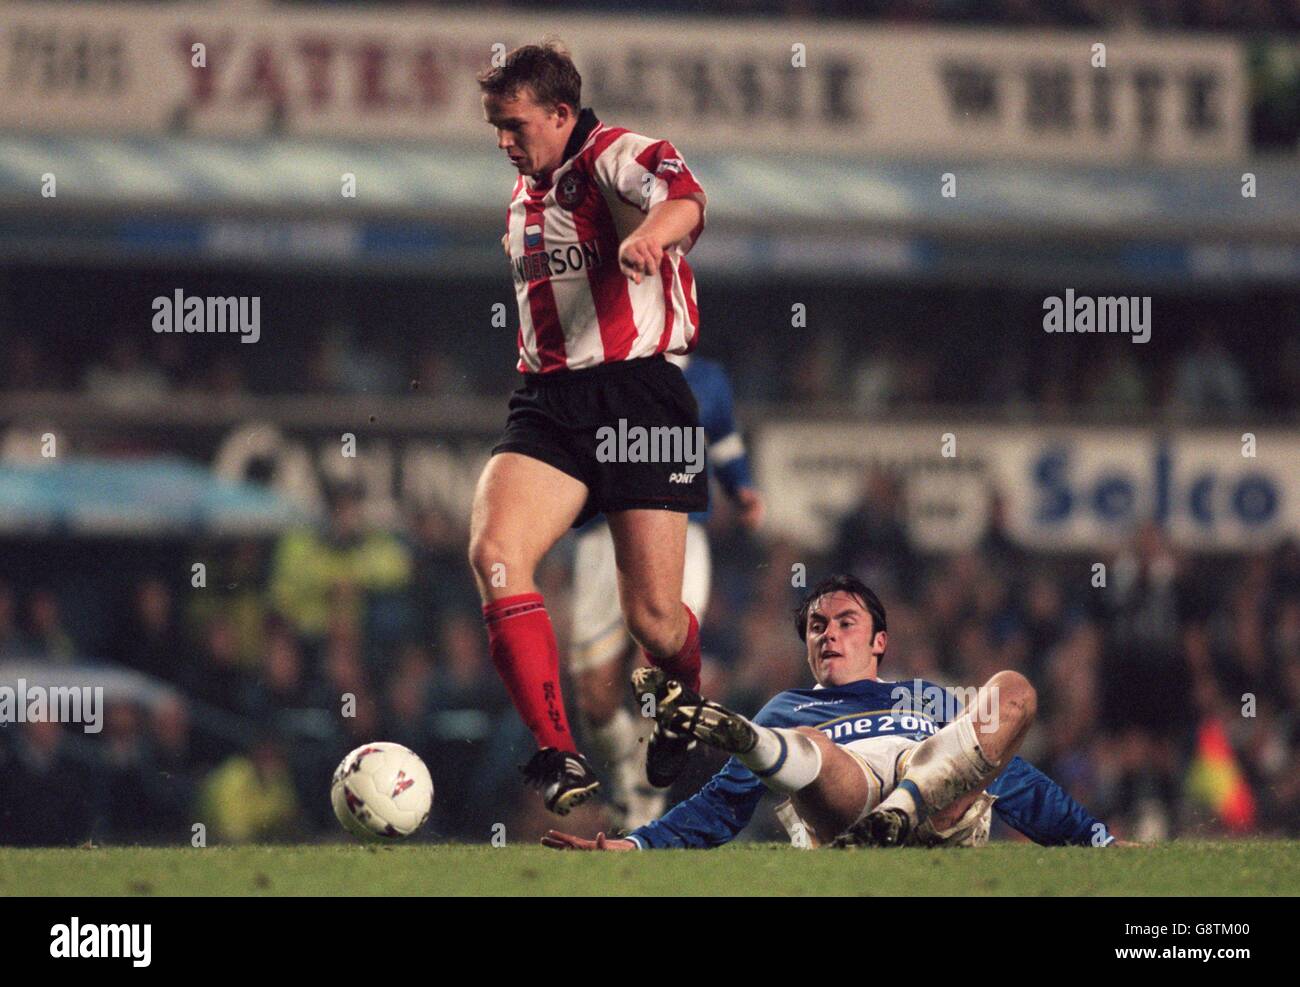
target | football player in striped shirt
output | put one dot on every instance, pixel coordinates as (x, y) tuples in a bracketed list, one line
[(597, 228)]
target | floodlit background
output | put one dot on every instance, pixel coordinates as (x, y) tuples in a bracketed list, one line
[(895, 189)]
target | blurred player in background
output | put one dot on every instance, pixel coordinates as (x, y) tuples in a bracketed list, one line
[(600, 639), (863, 761), (597, 228)]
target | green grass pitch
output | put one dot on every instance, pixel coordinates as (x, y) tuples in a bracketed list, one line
[(1243, 867)]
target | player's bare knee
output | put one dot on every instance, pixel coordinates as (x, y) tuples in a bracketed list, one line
[(1016, 695), (494, 564), (483, 553), (839, 770), (823, 742)]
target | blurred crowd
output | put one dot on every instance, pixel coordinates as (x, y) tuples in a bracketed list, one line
[(867, 349), (285, 655), (293, 651), (1137, 664)]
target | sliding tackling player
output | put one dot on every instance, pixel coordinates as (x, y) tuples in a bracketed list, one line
[(863, 761)]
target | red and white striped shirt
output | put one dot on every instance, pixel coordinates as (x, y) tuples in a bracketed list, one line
[(576, 308)]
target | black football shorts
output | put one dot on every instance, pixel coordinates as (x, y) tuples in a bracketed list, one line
[(629, 430)]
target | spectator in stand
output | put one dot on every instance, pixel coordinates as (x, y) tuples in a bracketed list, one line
[(50, 639), (310, 566), (251, 798), (1142, 606), (1285, 582), (876, 385), (407, 699), (25, 366), (1146, 676), (815, 371), (224, 378), (1208, 380), (441, 583), (281, 686), (1045, 622), (216, 677), (172, 781), (125, 378), (13, 642), (59, 790), (338, 365), (1287, 791), (438, 374), (148, 637), (126, 774), (1115, 383), (235, 590), (343, 660), (997, 547), (873, 540)]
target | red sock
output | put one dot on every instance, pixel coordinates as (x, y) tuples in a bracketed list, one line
[(684, 665), (522, 643)]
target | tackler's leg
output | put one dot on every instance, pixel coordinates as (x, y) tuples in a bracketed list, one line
[(828, 786)]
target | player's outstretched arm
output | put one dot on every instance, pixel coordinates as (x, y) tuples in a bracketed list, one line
[(564, 841), (665, 224), (709, 818)]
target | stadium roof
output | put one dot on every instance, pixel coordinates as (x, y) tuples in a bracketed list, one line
[(279, 201)]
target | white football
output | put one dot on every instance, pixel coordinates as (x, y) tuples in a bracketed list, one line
[(382, 791)]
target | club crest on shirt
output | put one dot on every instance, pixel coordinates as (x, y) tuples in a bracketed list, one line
[(571, 190)]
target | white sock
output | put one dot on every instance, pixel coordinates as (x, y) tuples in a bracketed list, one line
[(616, 739), (942, 769), (785, 760)]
